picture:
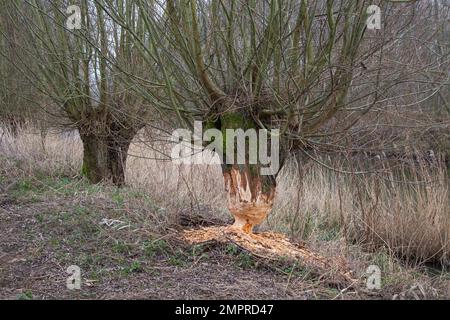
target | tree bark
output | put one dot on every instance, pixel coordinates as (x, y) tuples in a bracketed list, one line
[(105, 156), (250, 194)]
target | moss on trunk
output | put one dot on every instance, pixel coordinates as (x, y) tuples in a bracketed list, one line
[(104, 157), (250, 195)]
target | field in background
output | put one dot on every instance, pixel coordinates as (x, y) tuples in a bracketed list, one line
[(398, 219)]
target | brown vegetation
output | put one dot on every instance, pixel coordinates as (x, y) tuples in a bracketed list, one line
[(398, 221)]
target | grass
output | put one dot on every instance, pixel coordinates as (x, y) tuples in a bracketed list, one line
[(135, 266), (123, 239), (26, 295), (158, 247)]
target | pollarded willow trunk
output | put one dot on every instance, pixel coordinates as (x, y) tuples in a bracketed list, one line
[(105, 155), (250, 195)]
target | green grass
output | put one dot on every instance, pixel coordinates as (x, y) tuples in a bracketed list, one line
[(231, 249), (158, 247), (26, 295), (118, 197), (328, 231), (178, 259), (245, 261), (242, 259), (121, 247), (134, 267)]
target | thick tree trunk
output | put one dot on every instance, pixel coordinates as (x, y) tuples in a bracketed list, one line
[(105, 156), (250, 195)]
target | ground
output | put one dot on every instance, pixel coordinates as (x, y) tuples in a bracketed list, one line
[(127, 247)]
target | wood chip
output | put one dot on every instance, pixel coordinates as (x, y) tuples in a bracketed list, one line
[(273, 246)]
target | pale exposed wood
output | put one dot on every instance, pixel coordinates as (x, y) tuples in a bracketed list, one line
[(247, 202), (275, 246)]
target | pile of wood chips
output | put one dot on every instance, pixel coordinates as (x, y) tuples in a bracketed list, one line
[(274, 246)]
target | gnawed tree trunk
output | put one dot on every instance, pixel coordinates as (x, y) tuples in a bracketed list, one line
[(105, 154), (250, 195)]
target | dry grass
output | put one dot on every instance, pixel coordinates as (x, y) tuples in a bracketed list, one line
[(405, 209)]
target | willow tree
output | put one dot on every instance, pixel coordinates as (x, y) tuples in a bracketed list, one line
[(82, 70), (14, 88), (289, 65)]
